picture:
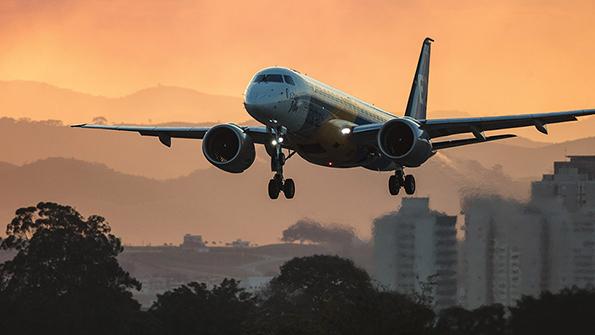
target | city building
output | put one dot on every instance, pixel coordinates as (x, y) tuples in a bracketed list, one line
[(502, 251), (567, 200), (572, 183), (194, 242), (512, 249), (415, 251), (239, 243)]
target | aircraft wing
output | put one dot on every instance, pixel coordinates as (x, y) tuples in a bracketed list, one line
[(165, 134), (446, 127), (476, 126)]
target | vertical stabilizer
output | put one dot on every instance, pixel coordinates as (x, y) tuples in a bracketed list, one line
[(418, 98)]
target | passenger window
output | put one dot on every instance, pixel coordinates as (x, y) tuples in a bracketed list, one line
[(289, 80)]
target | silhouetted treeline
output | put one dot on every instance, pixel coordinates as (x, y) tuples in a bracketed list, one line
[(65, 276), (65, 279)]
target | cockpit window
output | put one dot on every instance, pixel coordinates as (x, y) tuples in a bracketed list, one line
[(289, 80), (266, 78)]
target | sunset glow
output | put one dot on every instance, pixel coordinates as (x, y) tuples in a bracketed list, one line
[(489, 58)]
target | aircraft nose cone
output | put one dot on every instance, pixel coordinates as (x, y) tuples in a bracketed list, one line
[(259, 102), (257, 106), (258, 111)]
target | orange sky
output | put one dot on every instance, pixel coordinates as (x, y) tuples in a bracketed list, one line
[(490, 57)]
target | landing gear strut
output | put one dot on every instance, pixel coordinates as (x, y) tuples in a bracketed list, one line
[(398, 180), (278, 183)]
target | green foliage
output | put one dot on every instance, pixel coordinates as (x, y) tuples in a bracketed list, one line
[(485, 320), (65, 276), (572, 311), (396, 313), (194, 309), (330, 295)]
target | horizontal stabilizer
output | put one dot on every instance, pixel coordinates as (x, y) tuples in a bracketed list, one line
[(458, 143)]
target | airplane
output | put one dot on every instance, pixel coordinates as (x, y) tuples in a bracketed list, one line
[(328, 127)]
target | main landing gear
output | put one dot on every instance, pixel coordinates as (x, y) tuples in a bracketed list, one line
[(398, 180), (279, 184)]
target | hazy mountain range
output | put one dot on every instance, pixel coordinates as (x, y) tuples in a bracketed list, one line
[(225, 206), (158, 104), (40, 101)]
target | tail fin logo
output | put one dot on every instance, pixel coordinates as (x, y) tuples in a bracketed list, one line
[(420, 88)]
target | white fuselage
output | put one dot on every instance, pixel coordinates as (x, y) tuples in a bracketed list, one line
[(313, 114)]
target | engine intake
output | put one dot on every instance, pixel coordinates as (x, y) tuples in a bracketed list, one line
[(402, 141), (229, 148)]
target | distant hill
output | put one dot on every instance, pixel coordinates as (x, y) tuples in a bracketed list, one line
[(24, 141), (522, 162), (40, 101), (4, 167), (223, 206)]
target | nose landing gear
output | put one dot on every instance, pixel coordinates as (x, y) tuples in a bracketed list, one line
[(398, 180), (278, 183)]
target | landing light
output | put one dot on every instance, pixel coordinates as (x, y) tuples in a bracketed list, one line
[(346, 131), (275, 142)]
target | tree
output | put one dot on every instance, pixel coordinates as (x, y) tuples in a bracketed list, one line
[(194, 309), (485, 320), (65, 276), (396, 313), (328, 295), (571, 311)]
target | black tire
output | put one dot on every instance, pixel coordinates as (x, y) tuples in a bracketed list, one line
[(393, 185), (289, 188), (409, 184), (274, 189)]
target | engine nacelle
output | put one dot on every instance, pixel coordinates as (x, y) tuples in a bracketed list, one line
[(229, 148), (402, 141)]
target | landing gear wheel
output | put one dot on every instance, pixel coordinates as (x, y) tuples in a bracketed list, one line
[(274, 188), (394, 185), (289, 188), (409, 184)]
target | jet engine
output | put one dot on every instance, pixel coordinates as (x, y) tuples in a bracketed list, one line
[(402, 141), (229, 148)]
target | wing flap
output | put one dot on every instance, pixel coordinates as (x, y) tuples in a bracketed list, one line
[(458, 143)]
